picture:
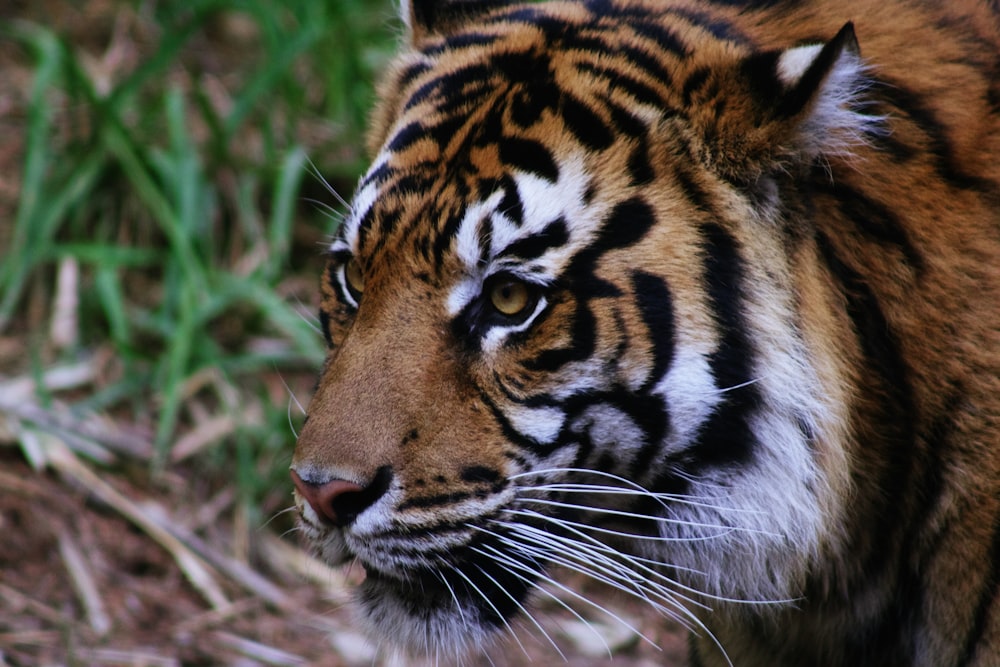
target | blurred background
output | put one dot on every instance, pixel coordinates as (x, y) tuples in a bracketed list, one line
[(168, 172)]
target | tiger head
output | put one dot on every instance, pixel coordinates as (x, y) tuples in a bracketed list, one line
[(569, 323)]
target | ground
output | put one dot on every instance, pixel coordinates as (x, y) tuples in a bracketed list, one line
[(59, 540)]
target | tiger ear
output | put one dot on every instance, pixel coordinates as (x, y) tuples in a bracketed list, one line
[(439, 17), (801, 103)]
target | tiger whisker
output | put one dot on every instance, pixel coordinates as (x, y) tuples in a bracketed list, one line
[(634, 536), (624, 483), (637, 561), (637, 583), (571, 487), (503, 618), (502, 560), (549, 580), (519, 606), (454, 597), (327, 209), (678, 613), (734, 387), (724, 530), (290, 508), (326, 184)]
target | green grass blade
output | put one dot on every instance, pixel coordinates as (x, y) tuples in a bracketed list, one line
[(293, 169), (38, 156), (109, 294)]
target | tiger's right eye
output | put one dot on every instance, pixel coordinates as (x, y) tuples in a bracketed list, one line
[(354, 279)]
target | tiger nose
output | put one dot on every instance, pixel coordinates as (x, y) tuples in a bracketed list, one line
[(338, 501)]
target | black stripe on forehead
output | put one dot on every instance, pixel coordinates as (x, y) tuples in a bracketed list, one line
[(555, 234)]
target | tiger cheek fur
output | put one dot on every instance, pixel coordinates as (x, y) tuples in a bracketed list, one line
[(690, 298)]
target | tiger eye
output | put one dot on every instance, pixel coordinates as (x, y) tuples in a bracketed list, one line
[(354, 279), (510, 297)]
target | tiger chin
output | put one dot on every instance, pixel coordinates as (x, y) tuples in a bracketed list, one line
[(698, 299)]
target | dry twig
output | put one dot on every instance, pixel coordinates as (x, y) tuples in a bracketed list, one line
[(83, 584), (262, 652), (196, 570)]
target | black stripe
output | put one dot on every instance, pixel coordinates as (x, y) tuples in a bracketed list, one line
[(761, 72), (457, 101), (694, 82), (874, 219), (624, 82), (640, 168), (411, 181), (410, 74), (446, 499), (511, 206), (651, 65), (407, 136), (470, 77), (529, 156), (583, 342), (490, 130), (531, 247), (461, 41), (384, 172), (585, 124), (715, 25), (696, 195), (905, 565), (726, 438), (324, 325), (756, 4), (527, 66), (878, 341), (481, 474), (365, 226), (527, 105), (590, 43), (650, 413), (665, 38), (625, 121), (452, 220), (610, 8), (626, 225), (530, 15), (946, 163), (514, 436), (655, 305), (485, 239), (445, 131), (890, 415)]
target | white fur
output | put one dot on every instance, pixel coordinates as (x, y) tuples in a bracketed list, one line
[(793, 63), (832, 127)]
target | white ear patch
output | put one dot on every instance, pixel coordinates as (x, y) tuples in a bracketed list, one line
[(833, 124), (793, 63)]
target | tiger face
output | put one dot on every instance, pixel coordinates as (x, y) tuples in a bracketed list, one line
[(594, 306)]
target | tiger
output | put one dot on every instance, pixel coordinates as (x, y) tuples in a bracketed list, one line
[(699, 299)]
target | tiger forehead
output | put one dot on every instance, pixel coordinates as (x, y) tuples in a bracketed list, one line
[(524, 93)]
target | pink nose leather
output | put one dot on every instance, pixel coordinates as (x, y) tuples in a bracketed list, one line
[(337, 501)]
